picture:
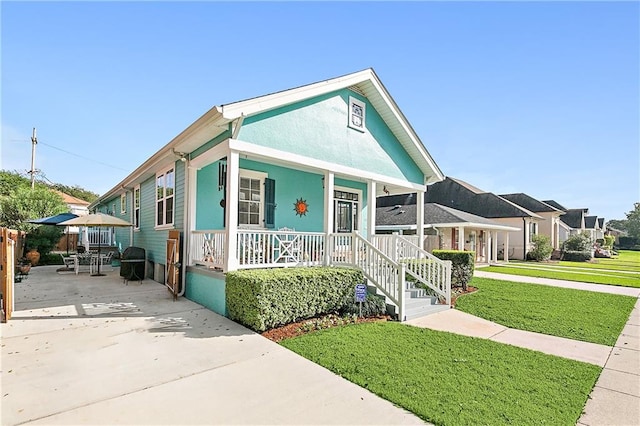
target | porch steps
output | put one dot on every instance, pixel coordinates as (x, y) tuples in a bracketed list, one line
[(417, 303)]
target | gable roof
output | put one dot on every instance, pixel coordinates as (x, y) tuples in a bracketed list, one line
[(225, 117), (530, 203), (573, 218), (70, 199), (453, 193), (555, 204), (404, 217), (591, 222), (601, 222)]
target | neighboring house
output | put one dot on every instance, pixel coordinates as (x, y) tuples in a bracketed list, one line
[(592, 227), (72, 237), (443, 226), (602, 228), (550, 225), (462, 196), (616, 233), (279, 180)]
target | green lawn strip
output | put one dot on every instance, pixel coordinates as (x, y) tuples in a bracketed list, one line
[(608, 266), (575, 314), (574, 269), (449, 379), (569, 276), (564, 265)]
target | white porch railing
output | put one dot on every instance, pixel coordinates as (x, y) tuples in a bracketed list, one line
[(259, 249), (100, 236), (384, 262), (207, 248), (382, 271), (421, 265)]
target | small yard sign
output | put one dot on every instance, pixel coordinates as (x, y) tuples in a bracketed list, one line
[(361, 292)]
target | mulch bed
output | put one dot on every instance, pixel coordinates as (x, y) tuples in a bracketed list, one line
[(310, 325), (329, 321)]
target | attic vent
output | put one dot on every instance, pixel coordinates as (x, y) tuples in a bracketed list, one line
[(357, 90)]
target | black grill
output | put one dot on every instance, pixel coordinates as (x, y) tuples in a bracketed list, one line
[(132, 263)]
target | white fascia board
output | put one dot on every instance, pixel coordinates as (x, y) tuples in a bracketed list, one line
[(474, 225), (283, 157), (286, 97)]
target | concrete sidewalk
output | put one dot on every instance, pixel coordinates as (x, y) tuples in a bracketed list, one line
[(599, 288), (90, 350), (458, 322)]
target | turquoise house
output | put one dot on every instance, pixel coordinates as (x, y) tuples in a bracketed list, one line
[(285, 179)]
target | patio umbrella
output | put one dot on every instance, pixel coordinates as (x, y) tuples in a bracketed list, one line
[(55, 220), (98, 220)]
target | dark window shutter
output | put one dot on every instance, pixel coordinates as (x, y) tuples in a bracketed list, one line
[(269, 203)]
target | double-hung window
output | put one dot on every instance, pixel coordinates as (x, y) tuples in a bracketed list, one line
[(136, 207), (251, 199), (165, 189)]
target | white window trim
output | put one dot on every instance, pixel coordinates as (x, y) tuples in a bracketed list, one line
[(252, 174), (123, 203), (136, 226), (362, 105), (155, 197)]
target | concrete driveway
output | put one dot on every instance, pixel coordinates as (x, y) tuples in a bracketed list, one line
[(90, 350)]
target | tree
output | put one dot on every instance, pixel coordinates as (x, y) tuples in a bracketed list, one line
[(620, 225), (633, 221), (25, 203)]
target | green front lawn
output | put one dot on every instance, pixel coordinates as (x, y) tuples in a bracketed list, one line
[(449, 379), (574, 314), (531, 269)]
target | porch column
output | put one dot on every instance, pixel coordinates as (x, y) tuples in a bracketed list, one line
[(494, 245), (371, 209), (506, 246), (461, 238), (420, 219), (328, 212), (231, 211)]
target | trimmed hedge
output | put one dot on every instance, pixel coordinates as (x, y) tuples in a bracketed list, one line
[(262, 299), (462, 265), (576, 256)]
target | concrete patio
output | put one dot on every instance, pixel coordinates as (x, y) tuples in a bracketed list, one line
[(90, 350)]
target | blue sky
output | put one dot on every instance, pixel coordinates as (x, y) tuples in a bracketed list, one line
[(534, 97)]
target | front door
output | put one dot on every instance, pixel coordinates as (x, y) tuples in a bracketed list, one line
[(346, 211)]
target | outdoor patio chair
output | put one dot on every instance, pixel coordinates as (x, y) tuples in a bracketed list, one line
[(68, 261)]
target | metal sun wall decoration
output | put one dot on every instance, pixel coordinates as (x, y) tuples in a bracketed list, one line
[(301, 207)]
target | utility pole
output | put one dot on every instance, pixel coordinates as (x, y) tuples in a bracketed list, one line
[(34, 142)]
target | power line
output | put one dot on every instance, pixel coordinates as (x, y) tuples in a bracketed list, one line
[(83, 157)]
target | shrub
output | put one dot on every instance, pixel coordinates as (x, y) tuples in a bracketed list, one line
[(265, 298), (43, 239), (608, 241), (576, 256), (462, 265), (542, 248), (372, 306), (628, 242), (50, 259), (577, 242)]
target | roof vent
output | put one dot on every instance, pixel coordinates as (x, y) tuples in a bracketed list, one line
[(356, 89)]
